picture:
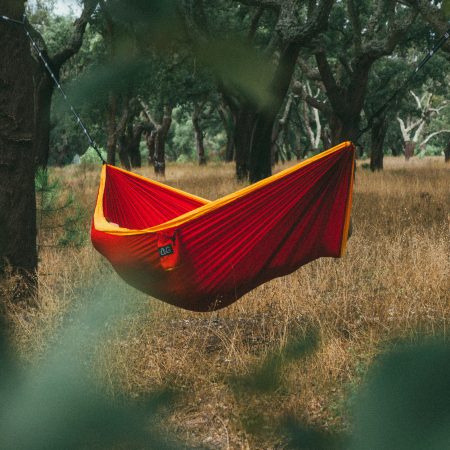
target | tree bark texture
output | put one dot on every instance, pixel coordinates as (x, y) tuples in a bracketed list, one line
[(378, 134), (261, 143), (134, 134), (346, 103), (410, 146), (150, 138), (111, 140), (243, 131), (44, 93), (199, 136), (121, 131), (159, 158), (447, 152), (17, 156), (228, 125)]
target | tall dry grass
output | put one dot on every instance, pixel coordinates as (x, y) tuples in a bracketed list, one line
[(393, 283)]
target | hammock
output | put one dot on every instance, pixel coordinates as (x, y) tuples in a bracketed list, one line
[(202, 255)]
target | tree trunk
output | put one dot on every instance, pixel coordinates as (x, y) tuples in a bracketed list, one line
[(124, 157), (409, 150), (134, 140), (228, 125), (261, 148), (121, 133), (447, 153), (379, 130), (243, 130), (275, 153), (159, 159), (43, 96), (111, 142), (150, 139), (344, 128), (17, 158), (198, 136), (261, 143)]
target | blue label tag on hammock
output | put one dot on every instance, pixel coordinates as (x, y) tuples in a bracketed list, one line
[(166, 250)]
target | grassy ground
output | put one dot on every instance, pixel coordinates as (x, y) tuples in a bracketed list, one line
[(393, 283)]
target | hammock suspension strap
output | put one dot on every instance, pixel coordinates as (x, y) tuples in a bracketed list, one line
[(443, 39), (57, 83)]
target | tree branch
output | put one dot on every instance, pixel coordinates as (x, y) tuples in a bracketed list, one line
[(148, 114), (353, 14), (255, 23), (432, 135), (291, 31), (334, 93), (76, 39)]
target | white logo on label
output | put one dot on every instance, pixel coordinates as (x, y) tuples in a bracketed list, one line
[(164, 251)]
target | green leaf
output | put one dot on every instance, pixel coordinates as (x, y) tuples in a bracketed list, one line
[(405, 404), (446, 8)]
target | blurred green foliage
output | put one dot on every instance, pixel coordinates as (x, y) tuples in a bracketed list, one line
[(446, 8), (57, 402), (91, 156), (405, 404), (60, 220)]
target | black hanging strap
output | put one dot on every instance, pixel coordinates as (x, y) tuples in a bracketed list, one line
[(427, 57), (57, 84)]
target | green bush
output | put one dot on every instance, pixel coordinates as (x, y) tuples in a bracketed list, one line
[(91, 157)]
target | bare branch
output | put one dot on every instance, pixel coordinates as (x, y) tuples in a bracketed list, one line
[(333, 91), (148, 114), (298, 89), (432, 135)]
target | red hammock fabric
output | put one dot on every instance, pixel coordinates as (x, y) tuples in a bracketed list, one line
[(202, 255)]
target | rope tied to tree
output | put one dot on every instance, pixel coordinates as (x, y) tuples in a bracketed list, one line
[(411, 76), (78, 120)]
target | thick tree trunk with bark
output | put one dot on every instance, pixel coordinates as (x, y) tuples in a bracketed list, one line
[(228, 125), (278, 134), (124, 157), (17, 157), (159, 158), (121, 133), (243, 132), (447, 153), (410, 147), (344, 128), (261, 148), (199, 136), (150, 138), (134, 140), (126, 136), (378, 134), (261, 143), (111, 140), (43, 104)]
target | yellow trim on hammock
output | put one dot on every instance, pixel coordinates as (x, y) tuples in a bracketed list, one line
[(348, 209), (101, 224)]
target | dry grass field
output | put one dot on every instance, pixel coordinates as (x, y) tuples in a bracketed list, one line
[(394, 282)]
